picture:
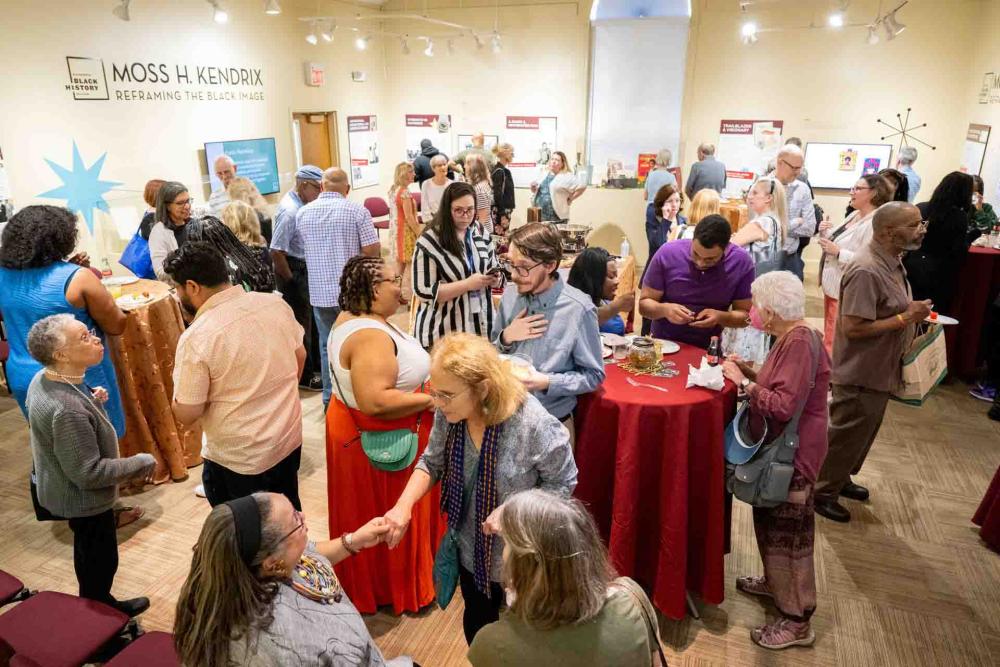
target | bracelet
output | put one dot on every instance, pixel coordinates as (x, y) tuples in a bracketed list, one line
[(347, 540), (900, 317)]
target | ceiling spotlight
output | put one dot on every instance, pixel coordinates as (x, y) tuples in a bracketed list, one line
[(835, 20), (892, 26), (327, 32), (219, 15), (311, 38), (121, 11), (872, 35), (406, 46), (451, 47), (272, 8), (429, 51), (480, 43), (749, 32), (495, 42), (361, 43)]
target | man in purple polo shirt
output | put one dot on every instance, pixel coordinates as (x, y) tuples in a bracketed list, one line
[(695, 287)]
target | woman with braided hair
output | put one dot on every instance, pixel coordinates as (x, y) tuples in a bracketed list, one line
[(245, 266), (378, 373)]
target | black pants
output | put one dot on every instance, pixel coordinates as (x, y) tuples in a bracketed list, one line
[(95, 555), (222, 484), (479, 609), (295, 292)]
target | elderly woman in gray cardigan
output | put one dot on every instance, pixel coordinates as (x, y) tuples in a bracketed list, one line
[(490, 440), (75, 452)]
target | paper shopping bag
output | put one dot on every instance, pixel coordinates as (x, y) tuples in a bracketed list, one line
[(925, 365)]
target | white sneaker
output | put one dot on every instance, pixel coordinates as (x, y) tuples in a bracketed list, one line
[(200, 490)]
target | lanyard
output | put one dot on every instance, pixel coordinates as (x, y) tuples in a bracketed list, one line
[(470, 260)]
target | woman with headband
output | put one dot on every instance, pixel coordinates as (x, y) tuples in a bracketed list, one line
[(260, 593)]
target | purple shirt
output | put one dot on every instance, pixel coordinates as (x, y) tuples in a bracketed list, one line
[(672, 272)]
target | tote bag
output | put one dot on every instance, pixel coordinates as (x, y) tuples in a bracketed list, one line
[(136, 258), (925, 365)]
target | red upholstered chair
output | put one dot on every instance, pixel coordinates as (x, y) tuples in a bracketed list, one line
[(416, 199), (11, 589), (153, 649), (59, 630), (4, 354), (379, 210)]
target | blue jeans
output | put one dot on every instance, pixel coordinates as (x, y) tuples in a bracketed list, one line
[(325, 317)]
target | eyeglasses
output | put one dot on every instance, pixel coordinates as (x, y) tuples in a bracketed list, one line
[(186, 202), (790, 165), (521, 270), (463, 212), (443, 397), (302, 522), (398, 281), (857, 189), (90, 335)]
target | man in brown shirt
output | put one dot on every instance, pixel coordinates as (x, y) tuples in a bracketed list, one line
[(874, 329)]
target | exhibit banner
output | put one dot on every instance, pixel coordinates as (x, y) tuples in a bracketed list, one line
[(747, 147), (420, 126), (974, 149), (362, 141), (533, 139)]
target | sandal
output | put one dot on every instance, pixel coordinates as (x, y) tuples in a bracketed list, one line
[(782, 634), (128, 514), (754, 586)]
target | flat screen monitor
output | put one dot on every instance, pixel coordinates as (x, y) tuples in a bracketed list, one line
[(838, 166), (255, 159)]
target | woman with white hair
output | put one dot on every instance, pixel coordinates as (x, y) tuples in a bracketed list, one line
[(795, 376), (75, 451), (659, 176), (433, 188), (565, 604)]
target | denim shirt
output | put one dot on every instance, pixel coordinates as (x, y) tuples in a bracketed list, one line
[(569, 351)]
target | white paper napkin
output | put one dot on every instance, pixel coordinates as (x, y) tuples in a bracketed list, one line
[(709, 377)]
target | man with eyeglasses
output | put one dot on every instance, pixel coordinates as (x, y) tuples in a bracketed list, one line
[(225, 171), (801, 214), (550, 322), (875, 327), (289, 259)]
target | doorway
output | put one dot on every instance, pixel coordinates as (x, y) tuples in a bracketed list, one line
[(316, 138)]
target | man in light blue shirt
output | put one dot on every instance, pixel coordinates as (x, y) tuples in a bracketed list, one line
[(659, 176), (550, 322), (289, 259), (904, 162), (799, 203)]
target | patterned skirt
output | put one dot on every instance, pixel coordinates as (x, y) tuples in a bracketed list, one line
[(785, 537)]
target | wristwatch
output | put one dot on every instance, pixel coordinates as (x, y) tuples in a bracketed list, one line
[(744, 383)]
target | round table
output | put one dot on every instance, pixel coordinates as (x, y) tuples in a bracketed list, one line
[(144, 363), (652, 473), (978, 285)]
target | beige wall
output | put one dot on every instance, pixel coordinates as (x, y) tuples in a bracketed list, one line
[(986, 58)]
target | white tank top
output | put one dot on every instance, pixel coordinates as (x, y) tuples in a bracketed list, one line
[(414, 362)]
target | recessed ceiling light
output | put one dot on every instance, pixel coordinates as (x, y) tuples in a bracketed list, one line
[(361, 43), (835, 20)]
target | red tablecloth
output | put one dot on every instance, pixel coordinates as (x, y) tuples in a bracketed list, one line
[(988, 514), (651, 470), (978, 284)]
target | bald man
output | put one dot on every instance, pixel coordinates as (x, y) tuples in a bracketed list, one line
[(875, 326), (331, 230), (478, 148), (801, 214), (707, 172), (225, 171)]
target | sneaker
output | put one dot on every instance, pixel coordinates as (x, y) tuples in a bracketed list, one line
[(782, 634), (200, 491), (983, 391), (315, 383), (754, 586)]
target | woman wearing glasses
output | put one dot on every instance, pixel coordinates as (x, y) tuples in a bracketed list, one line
[(261, 593), (490, 440), (841, 242), (173, 212), (453, 271), (378, 372)]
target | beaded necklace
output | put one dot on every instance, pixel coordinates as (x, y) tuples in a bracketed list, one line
[(316, 580)]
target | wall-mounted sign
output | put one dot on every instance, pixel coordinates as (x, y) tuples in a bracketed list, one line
[(162, 82), (533, 139), (746, 147), (974, 150), (362, 140), (314, 74), (433, 126), (989, 92)]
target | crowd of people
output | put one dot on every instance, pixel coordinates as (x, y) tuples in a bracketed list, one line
[(450, 448)]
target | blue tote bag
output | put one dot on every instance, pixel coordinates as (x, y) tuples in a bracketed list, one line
[(136, 258)]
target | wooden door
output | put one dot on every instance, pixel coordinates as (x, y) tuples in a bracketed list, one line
[(318, 135)]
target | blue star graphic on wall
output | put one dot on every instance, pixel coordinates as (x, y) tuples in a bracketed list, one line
[(82, 188)]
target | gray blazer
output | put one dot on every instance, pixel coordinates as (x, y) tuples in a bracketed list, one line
[(707, 173)]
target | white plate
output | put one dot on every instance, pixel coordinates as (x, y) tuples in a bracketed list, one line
[(606, 352), (130, 301), (668, 346), (611, 339), (120, 280), (942, 319)]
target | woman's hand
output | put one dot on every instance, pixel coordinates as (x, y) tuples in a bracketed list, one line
[(100, 394), (732, 372), (80, 259), (478, 281), (398, 520), (624, 303), (524, 327), (492, 524), (829, 247), (535, 380), (371, 533), (825, 226)]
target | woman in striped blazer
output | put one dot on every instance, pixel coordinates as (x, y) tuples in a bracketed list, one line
[(454, 270)]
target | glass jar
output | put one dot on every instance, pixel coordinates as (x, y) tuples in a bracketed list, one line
[(642, 353)]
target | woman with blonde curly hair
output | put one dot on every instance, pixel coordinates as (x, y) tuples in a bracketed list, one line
[(245, 190), (565, 604), (243, 221), (705, 202), (490, 439)]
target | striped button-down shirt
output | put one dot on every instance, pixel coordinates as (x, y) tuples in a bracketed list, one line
[(432, 266), (284, 237), (332, 230)]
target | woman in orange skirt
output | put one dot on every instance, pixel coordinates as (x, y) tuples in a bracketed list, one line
[(378, 372)]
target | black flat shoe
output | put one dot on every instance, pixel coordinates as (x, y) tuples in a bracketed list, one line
[(854, 491), (132, 607), (833, 511)]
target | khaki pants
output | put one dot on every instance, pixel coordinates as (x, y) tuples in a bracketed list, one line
[(855, 417), (568, 424)]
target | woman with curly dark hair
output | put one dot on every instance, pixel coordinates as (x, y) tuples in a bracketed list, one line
[(933, 269), (37, 280), (377, 373)]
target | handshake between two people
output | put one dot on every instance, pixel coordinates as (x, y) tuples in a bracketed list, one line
[(392, 527)]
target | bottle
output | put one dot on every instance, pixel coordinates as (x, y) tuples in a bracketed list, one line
[(714, 353), (625, 249), (995, 237), (105, 268)]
